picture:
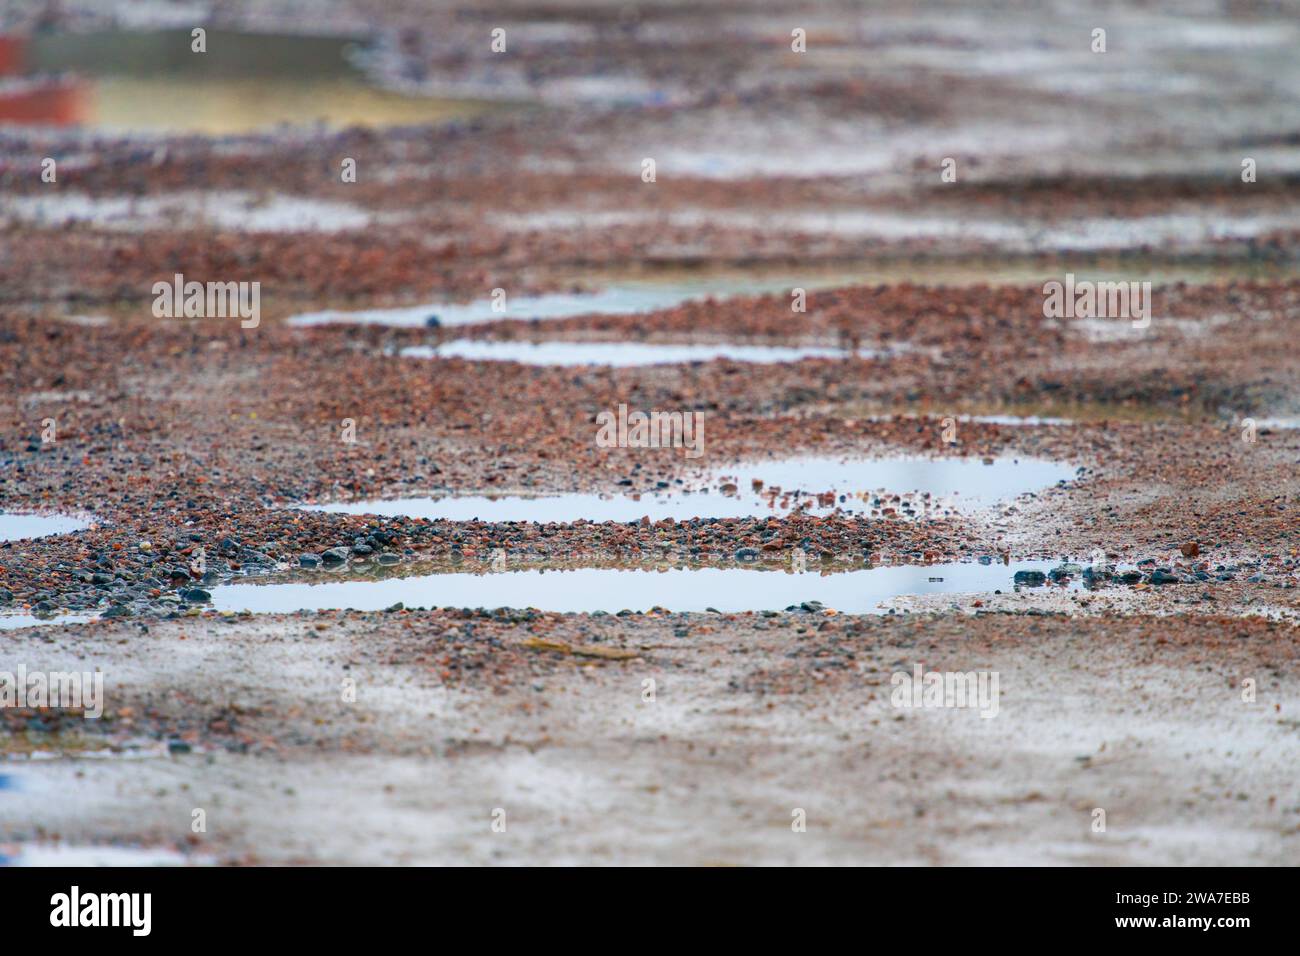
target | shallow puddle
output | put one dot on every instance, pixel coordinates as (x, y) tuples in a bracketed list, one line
[(586, 590), (231, 106), (1013, 420), (11, 622), (149, 81), (17, 527), (633, 294), (1030, 413), (218, 209), (631, 297), (620, 354), (1010, 269), (1016, 236), (879, 488), (1027, 420)]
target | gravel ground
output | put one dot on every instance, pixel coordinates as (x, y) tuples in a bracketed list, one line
[(184, 443)]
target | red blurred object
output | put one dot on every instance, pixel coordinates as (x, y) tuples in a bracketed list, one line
[(54, 100), (12, 51)]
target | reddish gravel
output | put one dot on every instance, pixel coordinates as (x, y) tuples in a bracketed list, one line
[(187, 442)]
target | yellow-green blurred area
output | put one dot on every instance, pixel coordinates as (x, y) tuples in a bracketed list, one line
[(121, 81)]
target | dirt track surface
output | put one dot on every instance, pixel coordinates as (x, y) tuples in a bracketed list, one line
[(181, 437), (752, 718)]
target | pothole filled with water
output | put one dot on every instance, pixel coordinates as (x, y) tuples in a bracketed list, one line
[(18, 527), (625, 298), (632, 294), (678, 589), (149, 81), (224, 209), (11, 622), (873, 488), (622, 354), (1027, 421)]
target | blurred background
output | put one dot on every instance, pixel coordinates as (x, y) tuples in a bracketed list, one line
[(514, 136)]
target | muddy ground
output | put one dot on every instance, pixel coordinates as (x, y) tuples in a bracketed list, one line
[(1168, 702), (752, 718)]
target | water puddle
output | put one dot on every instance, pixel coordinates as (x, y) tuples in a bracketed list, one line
[(151, 82), (232, 106), (11, 622), (1021, 420), (1009, 269), (587, 590), (1027, 413), (628, 298), (621, 354), (18, 527), (219, 209), (636, 294), (873, 488), (1027, 421), (1020, 236)]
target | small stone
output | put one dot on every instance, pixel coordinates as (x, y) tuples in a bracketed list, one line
[(1191, 549), (196, 595), (309, 560)]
